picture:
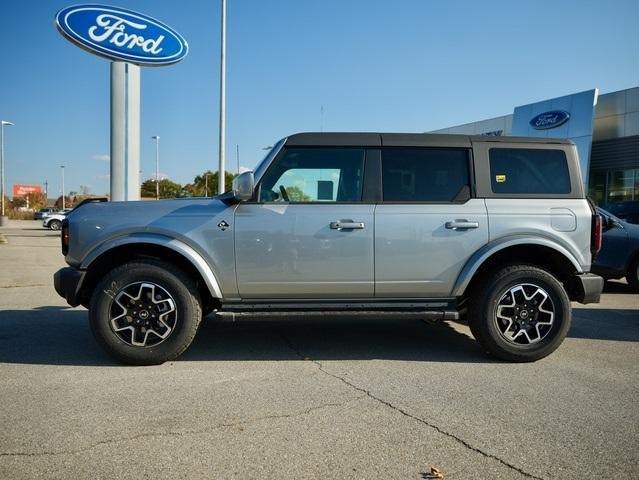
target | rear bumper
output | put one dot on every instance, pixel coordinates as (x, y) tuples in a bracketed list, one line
[(587, 288), (67, 282)]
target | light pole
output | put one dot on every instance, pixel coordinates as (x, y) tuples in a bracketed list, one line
[(206, 184), (220, 177), (157, 165), (62, 171), (3, 220)]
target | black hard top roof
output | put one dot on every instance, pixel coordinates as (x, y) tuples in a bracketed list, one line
[(363, 139)]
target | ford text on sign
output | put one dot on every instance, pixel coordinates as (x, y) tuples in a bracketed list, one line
[(121, 34), (22, 190), (550, 119)]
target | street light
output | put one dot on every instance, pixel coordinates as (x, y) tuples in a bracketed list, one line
[(62, 170), (157, 165), (2, 124), (220, 178)]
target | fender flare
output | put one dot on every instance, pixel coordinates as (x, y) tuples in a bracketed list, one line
[(177, 246), (488, 250)]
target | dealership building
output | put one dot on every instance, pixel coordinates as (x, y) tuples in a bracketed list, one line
[(604, 127)]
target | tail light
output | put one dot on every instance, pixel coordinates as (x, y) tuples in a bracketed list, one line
[(65, 236), (596, 234)]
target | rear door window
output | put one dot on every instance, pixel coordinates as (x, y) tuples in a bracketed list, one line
[(425, 175), (529, 170)]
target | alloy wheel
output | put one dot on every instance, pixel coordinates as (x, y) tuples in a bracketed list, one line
[(143, 314), (525, 314)]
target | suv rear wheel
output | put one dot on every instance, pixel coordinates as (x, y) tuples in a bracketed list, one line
[(520, 313), (145, 312)]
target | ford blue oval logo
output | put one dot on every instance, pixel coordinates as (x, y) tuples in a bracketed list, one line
[(121, 34), (551, 119)]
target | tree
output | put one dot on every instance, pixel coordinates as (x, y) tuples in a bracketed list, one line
[(168, 188), (199, 186), (296, 194), (19, 202), (36, 200), (32, 200), (68, 202)]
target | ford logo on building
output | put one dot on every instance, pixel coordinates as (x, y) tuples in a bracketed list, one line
[(551, 119), (120, 34)]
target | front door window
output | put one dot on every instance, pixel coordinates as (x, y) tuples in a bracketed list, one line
[(302, 175)]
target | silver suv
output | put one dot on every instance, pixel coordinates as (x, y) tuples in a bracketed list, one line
[(496, 230)]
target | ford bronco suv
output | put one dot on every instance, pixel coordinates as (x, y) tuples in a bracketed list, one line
[(496, 230)]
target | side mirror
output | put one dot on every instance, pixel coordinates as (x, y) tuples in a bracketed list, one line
[(243, 186)]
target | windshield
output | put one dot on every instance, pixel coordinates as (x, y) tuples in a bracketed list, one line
[(261, 167)]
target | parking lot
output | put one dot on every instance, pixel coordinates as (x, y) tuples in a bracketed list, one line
[(307, 398)]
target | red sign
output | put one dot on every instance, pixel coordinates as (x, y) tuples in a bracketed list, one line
[(22, 190)]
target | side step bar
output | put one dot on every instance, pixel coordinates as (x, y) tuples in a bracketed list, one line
[(440, 309), (398, 314)]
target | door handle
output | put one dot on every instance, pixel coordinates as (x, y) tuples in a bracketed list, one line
[(461, 225), (347, 225)]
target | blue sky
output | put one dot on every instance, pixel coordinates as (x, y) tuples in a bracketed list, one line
[(404, 65)]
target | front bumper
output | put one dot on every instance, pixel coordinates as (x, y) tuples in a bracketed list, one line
[(68, 282), (587, 288)]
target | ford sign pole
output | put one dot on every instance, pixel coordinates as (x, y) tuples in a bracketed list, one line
[(125, 131), (129, 39), (220, 175)]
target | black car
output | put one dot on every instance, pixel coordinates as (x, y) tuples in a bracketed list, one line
[(619, 254), (628, 211)]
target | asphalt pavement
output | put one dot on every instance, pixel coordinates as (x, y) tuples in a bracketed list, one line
[(307, 398)]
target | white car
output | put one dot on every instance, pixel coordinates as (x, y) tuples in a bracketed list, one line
[(54, 221)]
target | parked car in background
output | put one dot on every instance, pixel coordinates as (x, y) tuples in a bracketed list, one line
[(43, 213), (54, 221), (627, 211), (619, 254)]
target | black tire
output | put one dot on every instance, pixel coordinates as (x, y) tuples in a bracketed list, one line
[(632, 276), (495, 287), (183, 296), (55, 224)]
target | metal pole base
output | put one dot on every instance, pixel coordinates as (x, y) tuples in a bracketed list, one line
[(4, 221)]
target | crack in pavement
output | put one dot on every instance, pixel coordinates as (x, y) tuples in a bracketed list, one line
[(26, 286), (367, 393), (183, 433)]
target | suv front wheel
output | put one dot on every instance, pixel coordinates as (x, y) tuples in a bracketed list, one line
[(55, 224), (520, 313), (145, 312)]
